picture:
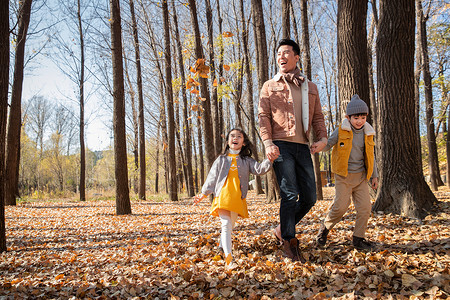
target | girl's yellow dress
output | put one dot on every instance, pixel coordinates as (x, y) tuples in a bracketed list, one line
[(230, 197)]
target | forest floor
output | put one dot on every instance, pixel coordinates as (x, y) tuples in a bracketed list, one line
[(82, 250)]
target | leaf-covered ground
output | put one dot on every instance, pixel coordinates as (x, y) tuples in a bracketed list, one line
[(73, 250)]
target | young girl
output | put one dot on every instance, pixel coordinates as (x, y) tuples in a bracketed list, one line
[(228, 181)]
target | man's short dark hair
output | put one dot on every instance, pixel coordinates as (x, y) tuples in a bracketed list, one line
[(289, 42)]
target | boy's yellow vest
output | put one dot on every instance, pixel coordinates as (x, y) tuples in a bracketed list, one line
[(341, 151)]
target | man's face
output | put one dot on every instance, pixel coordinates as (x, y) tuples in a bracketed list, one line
[(286, 58)]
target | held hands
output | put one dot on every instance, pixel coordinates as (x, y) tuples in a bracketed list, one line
[(374, 183), (272, 152), (198, 198), (317, 147)]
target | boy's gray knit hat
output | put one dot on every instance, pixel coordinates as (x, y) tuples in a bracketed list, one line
[(357, 106)]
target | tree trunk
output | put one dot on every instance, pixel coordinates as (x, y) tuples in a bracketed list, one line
[(285, 21), (220, 68), (15, 114), (187, 141), (402, 188), (204, 91), (447, 144), (433, 161), (353, 77), (372, 95), (134, 120), (417, 74), (172, 172), (250, 105), (123, 205), (141, 119), (296, 35), (272, 193), (308, 73), (214, 101), (81, 87), (4, 84)]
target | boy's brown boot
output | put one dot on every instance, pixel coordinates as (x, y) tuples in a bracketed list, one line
[(322, 236), (361, 244)]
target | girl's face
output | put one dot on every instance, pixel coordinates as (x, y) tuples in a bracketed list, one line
[(235, 140), (357, 121)]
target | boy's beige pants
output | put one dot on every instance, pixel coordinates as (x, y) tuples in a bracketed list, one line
[(354, 185)]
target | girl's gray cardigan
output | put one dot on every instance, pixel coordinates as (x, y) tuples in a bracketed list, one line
[(219, 172)]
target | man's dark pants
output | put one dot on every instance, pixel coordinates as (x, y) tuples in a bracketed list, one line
[(295, 175)]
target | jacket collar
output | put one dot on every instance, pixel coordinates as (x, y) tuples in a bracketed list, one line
[(368, 129), (279, 76)]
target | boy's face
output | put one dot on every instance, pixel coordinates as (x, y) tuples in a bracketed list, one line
[(357, 121)]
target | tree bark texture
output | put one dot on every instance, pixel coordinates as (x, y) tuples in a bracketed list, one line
[(214, 100), (402, 188), (123, 205), (296, 35), (353, 77), (141, 119), (285, 21), (204, 91), (15, 113), (220, 67), (433, 162), (4, 84), (172, 172)]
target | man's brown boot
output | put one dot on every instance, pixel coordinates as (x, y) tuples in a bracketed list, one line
[(287, 251), (322, 236)]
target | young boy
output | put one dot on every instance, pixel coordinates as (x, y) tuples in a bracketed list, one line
[(353, 163)]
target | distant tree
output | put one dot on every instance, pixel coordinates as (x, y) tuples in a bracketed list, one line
[(123, 205), (4, 84), (250, 104), (214, 95), (308, 71), (402, 188), (142, 164), (262, 59), (433, 161), (15, 114), (172, 172), (204, 91), (187, 141)]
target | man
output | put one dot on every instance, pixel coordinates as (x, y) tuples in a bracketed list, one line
[(289, 108)]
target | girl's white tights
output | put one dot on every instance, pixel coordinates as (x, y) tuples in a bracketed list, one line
[(227, 219)]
